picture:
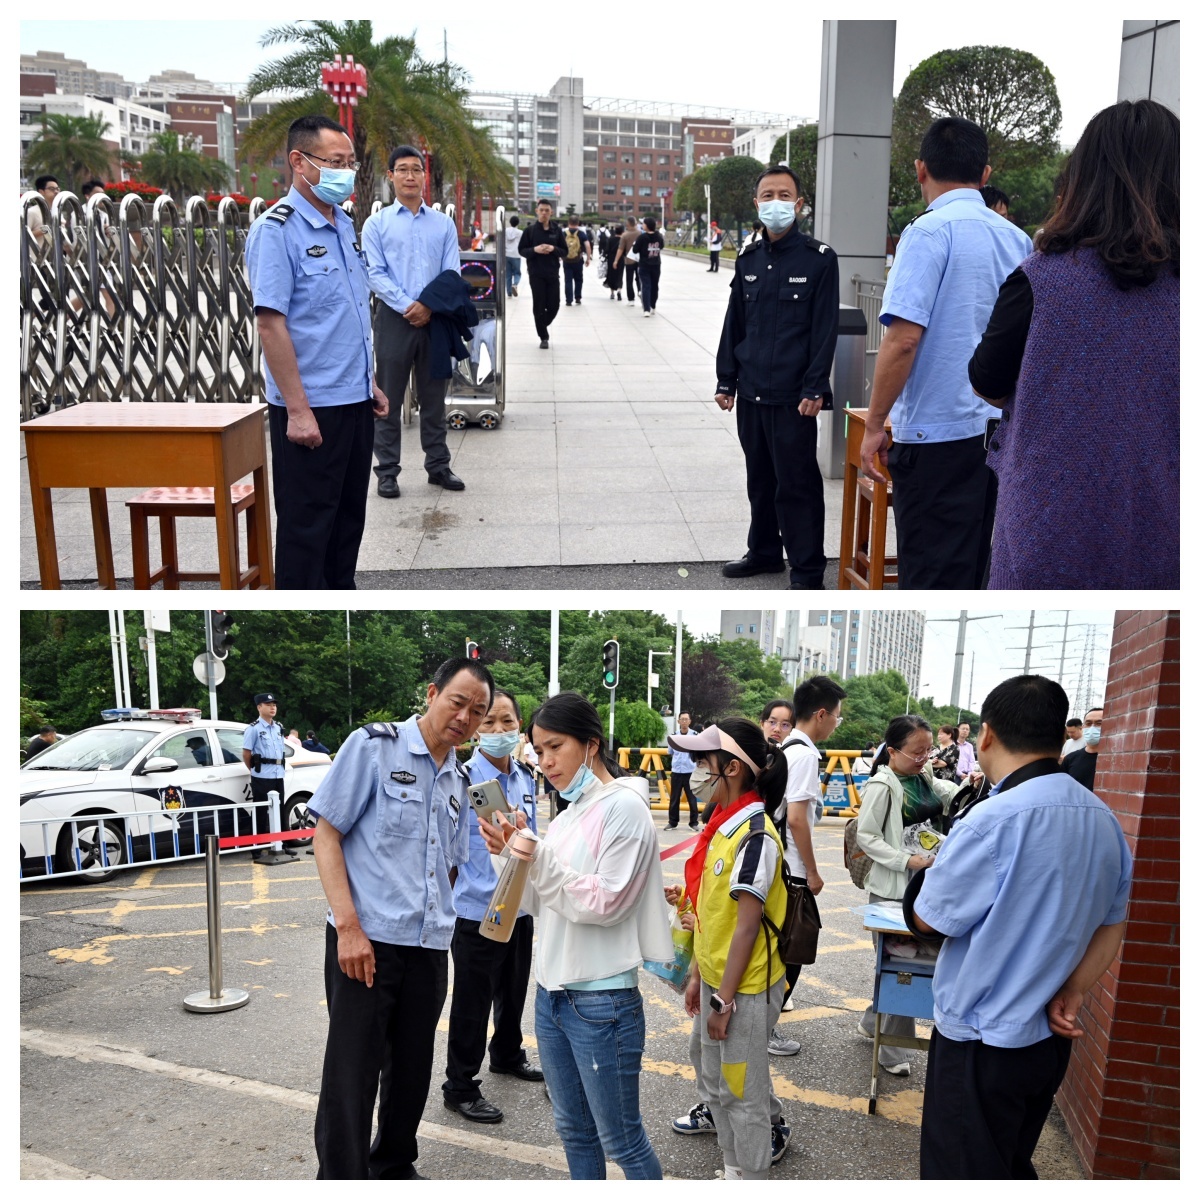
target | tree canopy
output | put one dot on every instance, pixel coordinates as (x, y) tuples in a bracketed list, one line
[(179, 170), (732, 182), (1009, 93), (72, 149), (803, 157)]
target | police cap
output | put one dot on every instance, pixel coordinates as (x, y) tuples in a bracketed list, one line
[(266, 698)]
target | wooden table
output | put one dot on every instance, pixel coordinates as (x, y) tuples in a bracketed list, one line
[(98, 446), (861, 553)]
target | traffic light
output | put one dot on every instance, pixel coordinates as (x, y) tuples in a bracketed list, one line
[(472, 649), (612, 664), (219, 626)]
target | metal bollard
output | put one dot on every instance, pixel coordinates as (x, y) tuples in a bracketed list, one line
[(218, 998), (275, 852)]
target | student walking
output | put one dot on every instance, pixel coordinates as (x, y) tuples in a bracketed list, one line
[(544, 247), (648, 247), (512, 254)]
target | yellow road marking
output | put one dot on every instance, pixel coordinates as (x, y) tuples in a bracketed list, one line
[(257, 962), (125, 906), (811, 1014), (260, 884), (168, 970), (859, 945), (904, 1106), (145, 879), (96, 952)]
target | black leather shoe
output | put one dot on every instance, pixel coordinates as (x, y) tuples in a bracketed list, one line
[(411, 1173), (388, 487), (544, 344), (448, 480), (479, 1110), (526, 1071), (742, 568)]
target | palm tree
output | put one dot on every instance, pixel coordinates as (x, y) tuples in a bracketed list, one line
[(179, 170), (408, 100), (70, 148)]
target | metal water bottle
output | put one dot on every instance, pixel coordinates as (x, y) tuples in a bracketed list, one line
[(501, 914)]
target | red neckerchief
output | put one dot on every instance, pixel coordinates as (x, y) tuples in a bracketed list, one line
[(693, 869)]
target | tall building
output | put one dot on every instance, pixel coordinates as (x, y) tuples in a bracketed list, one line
[(204, 114), (73, 77), (874, 640), (759, 141), (804, 650)]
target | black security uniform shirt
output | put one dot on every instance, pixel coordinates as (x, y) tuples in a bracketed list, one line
[(542, 264), (781, 324)]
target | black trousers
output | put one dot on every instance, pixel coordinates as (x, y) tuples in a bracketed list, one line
[(399, 349), (573, 280), (631, 281), (783, 481), (944, 500), (681, 785), (380, 1040), (545, 302), (648, 278), (791, 972), (321, 496), (985, 1107), (714, 260), (488, 977)]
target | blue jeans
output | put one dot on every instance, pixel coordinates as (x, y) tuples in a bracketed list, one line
[(512, 272), (573, 280), (590, 1046)]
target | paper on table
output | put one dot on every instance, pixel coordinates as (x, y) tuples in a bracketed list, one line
[(883, 915)]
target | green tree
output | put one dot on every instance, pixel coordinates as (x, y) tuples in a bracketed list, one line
[(638, 631), (803, 158), (758, 677), (732, 182), (1009, 93), (689, 192), (1031, 191), (179, 170), (72, 149), (408, 99), (636, 725)]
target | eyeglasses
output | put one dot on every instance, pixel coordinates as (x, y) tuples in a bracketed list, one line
[(336, 164), (408, 172)]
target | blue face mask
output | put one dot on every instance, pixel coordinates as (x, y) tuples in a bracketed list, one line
[(1091, 735), (499, 745), (580, 782), (777, 215), (336, 186)]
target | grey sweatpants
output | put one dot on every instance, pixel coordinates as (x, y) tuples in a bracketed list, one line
[(733, 1078)]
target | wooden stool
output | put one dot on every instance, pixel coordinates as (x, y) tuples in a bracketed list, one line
[(864, 562), (167, 503)]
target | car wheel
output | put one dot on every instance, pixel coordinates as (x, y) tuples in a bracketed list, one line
[(296, 816), (87, 842)]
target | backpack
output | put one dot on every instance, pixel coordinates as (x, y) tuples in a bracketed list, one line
[(858, 861), (573, 244), (797, 936)]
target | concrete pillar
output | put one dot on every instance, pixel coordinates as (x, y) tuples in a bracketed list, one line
[(854, 149), (1122, 1091), (1150, 62)]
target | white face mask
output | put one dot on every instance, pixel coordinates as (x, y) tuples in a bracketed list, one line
[(704, 783)]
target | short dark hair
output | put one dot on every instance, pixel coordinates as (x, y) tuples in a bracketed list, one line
[(47, 729), (651, 224), (683, 712), (1027, 714), (1119, 192), (452, 666), (993, 196), (42, 180), (1095, 708), (954, 150), (780, 169), (575, 716), (405, 151), (305, 132), (899, 730), (91, 186), (819, 692), (949, 730), (1075, 722), (573, 217), (514, 220), (545, 202), (772, 705), (512, 700)]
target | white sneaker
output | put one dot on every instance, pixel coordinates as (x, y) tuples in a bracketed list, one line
[(646, 313), (901, 1068), (782, 1046), (632, 303), (862, 1031), (789, 1005)]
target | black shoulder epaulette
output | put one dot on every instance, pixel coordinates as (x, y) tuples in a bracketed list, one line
[(753, 246), (461, 768), (819, 246), (381, 729), (280, 212)]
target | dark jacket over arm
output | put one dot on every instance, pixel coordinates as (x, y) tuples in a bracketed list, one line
[(447, 297)]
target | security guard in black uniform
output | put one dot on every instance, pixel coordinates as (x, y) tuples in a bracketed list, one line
[(775, 355)]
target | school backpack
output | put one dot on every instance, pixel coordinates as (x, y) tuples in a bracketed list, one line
[(574, 248), (858, 861)]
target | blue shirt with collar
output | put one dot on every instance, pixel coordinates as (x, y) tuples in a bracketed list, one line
[(315, 274), (407, 251), (267, 740), (477, 878), (950, 263), (682, 763), (1019, 887), (405, 823)]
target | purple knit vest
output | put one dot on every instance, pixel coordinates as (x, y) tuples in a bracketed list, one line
[(1090, 438)]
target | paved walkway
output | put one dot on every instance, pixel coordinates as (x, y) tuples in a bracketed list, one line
[(611, 452)]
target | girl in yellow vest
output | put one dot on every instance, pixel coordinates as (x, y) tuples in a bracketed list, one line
[(737, 982)]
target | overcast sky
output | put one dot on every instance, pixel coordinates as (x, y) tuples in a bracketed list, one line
[(998, 645), (680, 58)]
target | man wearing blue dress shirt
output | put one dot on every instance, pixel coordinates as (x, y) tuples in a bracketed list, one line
[(408, 245), (682, 766), (312, 309), (489, 976)]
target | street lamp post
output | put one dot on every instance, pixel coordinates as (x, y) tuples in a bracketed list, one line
[(651, 678), (908, 698)]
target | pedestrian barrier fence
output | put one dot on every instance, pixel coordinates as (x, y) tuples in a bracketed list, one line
[(868, 296), (99, 843)]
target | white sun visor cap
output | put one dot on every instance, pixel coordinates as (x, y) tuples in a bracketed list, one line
[(712, 738)]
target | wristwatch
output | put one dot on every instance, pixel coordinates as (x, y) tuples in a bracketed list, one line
[(721, 1006)]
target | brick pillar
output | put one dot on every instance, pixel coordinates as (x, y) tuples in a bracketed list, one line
[(1121, 1095)]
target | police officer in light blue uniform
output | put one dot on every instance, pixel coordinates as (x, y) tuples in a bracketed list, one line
[(263, 753), (489, 977), (308, 277), (393, 829)]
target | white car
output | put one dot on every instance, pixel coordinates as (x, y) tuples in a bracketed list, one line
[(153, 764)]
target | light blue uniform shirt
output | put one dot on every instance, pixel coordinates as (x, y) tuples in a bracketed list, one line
[(949, 266), (404, 823), (1019, 887), (407, 251), (267, 740), (316, 276), (683, 763), (477, 878)]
